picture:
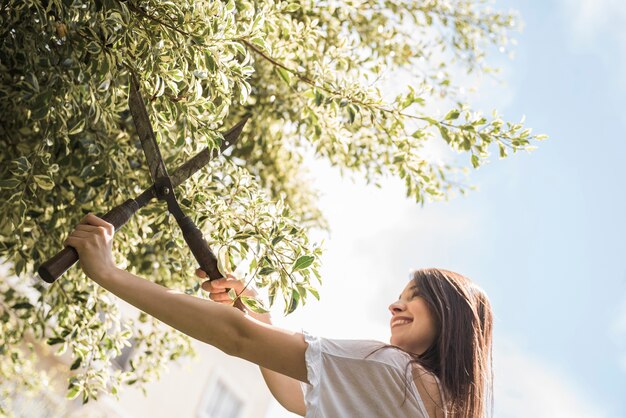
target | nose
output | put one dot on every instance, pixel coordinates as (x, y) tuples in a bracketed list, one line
[(397, 307)]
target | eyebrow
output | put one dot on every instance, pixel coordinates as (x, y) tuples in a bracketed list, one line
[(410, 288)]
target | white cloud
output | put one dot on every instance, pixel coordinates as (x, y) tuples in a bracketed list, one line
[(596, 24), (590, 17)]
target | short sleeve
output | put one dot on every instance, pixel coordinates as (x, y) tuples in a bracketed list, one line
[(313, 359), (356, 378)]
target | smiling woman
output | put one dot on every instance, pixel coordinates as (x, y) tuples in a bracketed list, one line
[(444, 322), (437, 366)]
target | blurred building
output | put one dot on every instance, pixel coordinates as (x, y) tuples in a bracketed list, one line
[(212, 385)]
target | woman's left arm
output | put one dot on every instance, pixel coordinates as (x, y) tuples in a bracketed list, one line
[(221, 326)]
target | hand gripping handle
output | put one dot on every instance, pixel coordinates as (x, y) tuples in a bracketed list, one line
[(54, 268), (202, 252)]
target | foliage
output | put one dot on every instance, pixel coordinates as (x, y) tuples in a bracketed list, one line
[(308, 71)]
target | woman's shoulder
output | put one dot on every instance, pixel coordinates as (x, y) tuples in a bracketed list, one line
[(429, 388), (357, 349)]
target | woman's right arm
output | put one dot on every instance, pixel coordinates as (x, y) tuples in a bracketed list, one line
[(286, 390), (221, 326)]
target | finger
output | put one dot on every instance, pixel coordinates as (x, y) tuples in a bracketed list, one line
[(218, 285), (220, 297), (75, 242), (208, 286), (90, 232), (200, 273), (81, 234), (235, 282), (86, 227), (226, 282), (94, 220)]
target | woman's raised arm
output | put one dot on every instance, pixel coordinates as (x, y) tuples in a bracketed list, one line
[(221, 326)]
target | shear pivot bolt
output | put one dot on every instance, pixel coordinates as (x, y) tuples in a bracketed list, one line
[(166, 190)]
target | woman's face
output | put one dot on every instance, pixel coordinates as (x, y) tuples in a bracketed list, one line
[(413, 327)]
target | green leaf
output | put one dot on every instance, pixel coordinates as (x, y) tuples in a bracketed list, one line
[(303, 262), (22, 305), (293, 304), (254, 305), (292, 7), (266, 270), (452, 115), (77, 128), (39, 113), (104, 86), (445, 134), (319, 97), (260, 42), (9, 183), (244, 92), (284, 74), (502, 150), (176, 75), (240, 48), (73, 392), (44, 182), (314, 292), (76, 364), (55, 340), (76, 181), (223, 261), (351, 113), (93, 48), (210, 61)]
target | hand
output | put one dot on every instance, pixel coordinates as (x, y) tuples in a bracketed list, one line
[(92, 238), (218, 292), (218, 289)]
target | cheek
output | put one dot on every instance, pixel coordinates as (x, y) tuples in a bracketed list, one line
[(425, 324), (429, 331)]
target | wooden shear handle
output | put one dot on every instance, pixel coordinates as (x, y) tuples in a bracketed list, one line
[(202, 252), (58, 264)]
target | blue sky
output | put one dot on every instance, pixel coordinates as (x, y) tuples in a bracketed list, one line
[(544, 235)]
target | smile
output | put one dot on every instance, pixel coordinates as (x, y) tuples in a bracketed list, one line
[(400, 322)]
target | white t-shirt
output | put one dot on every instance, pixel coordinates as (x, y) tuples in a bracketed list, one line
[(349, 378)]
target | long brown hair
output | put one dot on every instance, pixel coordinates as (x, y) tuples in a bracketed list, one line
[(461, 355)]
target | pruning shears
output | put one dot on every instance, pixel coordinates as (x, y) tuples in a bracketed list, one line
[(162, 189)]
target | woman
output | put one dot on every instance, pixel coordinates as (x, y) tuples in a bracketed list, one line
[(438, 364)]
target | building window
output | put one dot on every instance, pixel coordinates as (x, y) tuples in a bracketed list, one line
[(220, 401)]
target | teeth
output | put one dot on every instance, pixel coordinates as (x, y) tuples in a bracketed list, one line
[(401, 322)]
